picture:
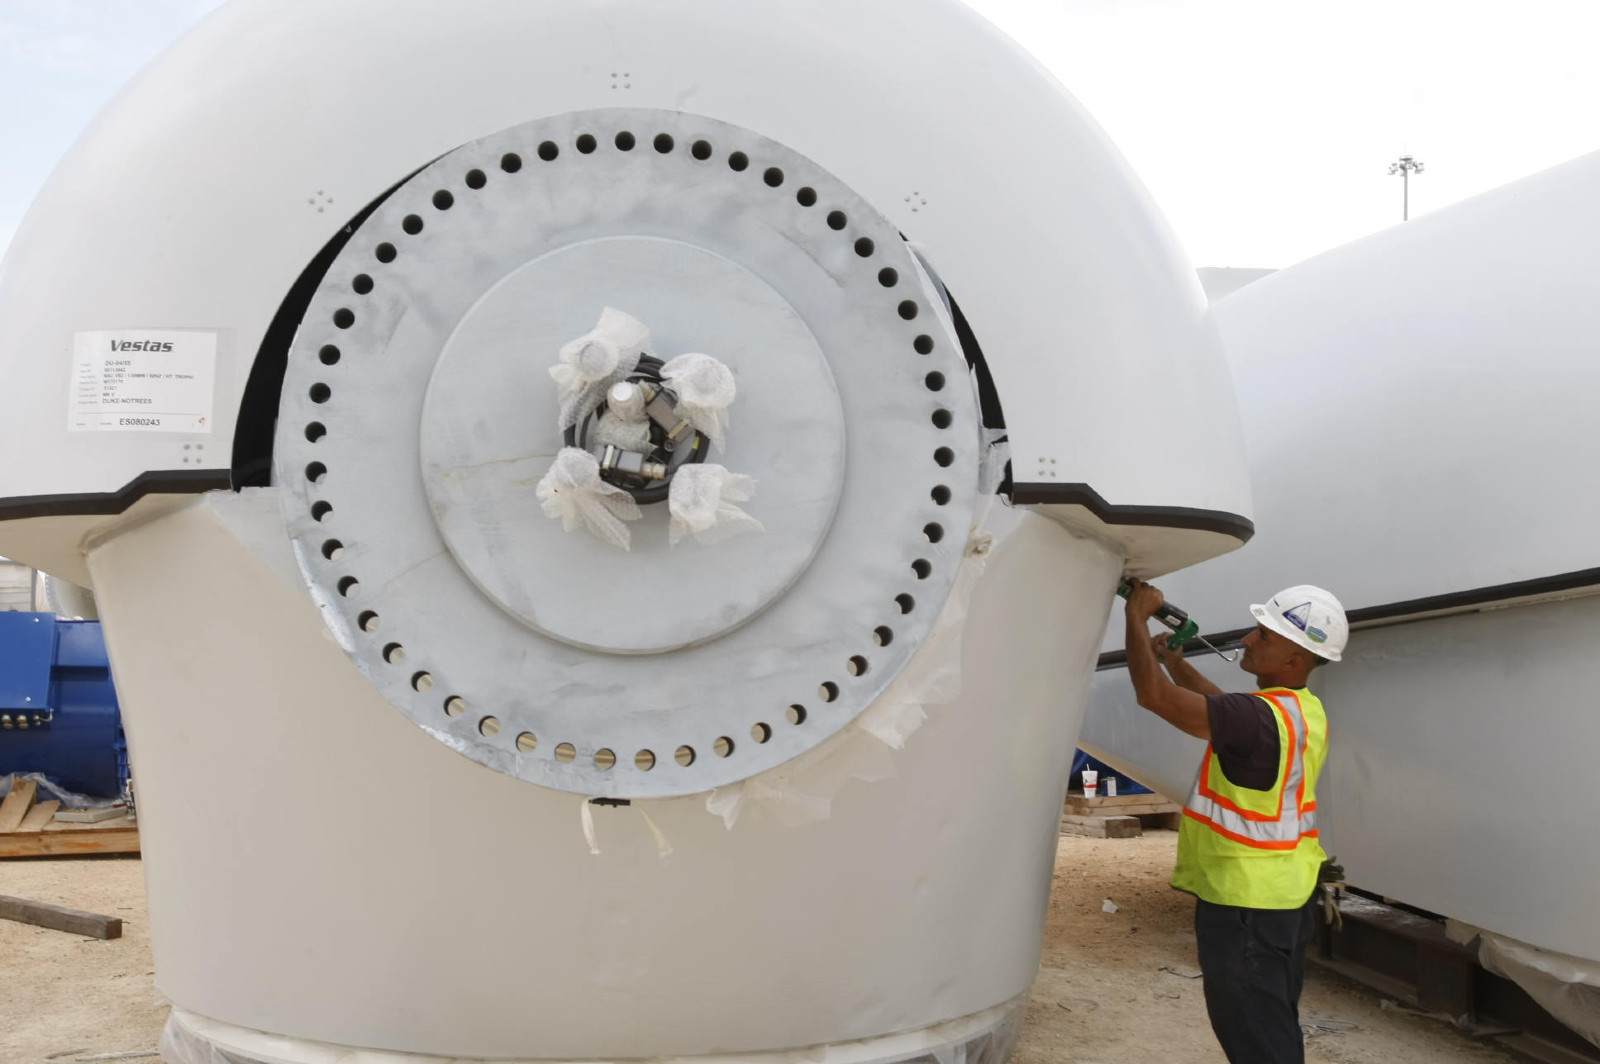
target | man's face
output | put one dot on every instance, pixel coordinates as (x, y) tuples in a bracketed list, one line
[(1265, 651)]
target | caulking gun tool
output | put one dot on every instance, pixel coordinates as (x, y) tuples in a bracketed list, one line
[(1184, 628)]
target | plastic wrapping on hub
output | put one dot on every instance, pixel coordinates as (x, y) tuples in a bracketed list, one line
[(986, 1037)]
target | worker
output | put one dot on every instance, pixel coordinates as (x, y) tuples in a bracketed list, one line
[(1247, 842)]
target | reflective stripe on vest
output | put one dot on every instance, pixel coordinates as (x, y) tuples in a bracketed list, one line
[(1294, 819)]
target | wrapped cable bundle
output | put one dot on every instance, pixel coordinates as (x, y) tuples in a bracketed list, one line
[(573, 491), (702, 501), (705, 389), (595, 361)]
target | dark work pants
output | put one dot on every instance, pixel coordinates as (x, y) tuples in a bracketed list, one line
[(1254, 961)]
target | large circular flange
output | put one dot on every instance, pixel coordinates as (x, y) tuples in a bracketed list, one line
[(421, 366)]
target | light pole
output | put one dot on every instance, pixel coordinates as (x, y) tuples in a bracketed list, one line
[(1405, 167)]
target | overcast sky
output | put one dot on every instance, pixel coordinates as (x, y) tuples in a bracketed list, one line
[(1264, 128)]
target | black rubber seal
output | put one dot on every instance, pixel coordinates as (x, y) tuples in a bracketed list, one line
[(154, 482), (1401, 612), (1045, 494)]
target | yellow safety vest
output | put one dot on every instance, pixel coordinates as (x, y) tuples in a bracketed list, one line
[(1258, 849)]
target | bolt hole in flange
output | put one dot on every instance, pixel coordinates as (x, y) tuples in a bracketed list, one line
[(888, 280)]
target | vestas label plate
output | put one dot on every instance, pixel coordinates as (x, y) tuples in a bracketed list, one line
[(142, 380)]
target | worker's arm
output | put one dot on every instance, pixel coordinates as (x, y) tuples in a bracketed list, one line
[(1183, 674), (1185, 710)]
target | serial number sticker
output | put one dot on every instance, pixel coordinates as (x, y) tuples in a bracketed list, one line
[(142, 380)]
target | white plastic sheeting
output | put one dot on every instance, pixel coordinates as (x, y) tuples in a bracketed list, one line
[(802, 791), (983, 1038), (1568, 987)]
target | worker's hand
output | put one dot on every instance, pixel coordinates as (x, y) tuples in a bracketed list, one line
[(1143, 600), (1166, 656)]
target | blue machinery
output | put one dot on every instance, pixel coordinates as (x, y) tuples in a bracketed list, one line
[(58, 708)]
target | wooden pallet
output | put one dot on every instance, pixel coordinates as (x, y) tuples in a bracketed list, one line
[(1102, 827), (1152, 810), (29, 829)]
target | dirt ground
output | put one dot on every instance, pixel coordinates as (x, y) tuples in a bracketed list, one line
[(1103, 995)]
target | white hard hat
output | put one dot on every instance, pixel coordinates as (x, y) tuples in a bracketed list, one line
[(1309, 616)]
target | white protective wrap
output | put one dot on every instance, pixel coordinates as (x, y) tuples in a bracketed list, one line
[(802, 791), (985, 1037), (573, 491), (624, 433), (1568, 987), (705, 389), (595, 361), (701, 501)]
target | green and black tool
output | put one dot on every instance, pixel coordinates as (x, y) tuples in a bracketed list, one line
[(1184, 628)]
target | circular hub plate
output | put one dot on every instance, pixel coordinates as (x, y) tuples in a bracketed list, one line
[(487, 435), (418, 414)]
